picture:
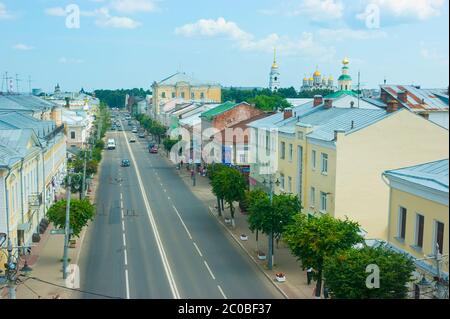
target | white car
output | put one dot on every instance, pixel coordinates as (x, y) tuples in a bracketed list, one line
[(132, 140)]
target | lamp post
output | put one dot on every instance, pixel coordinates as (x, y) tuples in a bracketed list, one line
[(270, 257)]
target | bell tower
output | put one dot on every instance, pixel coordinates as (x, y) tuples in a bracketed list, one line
[(274, 79)]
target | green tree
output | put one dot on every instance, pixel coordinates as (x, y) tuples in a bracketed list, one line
[(216, 185), (232, 187), (345, 274), (81, 212), (169, 144), (258, 206), (269, 103), (311, 239)]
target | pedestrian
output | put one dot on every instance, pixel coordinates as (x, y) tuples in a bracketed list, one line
[(325, 292), (181, 163), (309, 275)]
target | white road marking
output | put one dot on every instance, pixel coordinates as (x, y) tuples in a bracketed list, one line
[(127, 284), (158, 240), (221, 291), (125, 257), (124, 240), (121, 197), (123, 225), (182, 222), (198, 250), (209, 269)]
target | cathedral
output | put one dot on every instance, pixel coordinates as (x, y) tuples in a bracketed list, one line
[(317, 82)]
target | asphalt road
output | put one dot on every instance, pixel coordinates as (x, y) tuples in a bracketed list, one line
[(153, 238)]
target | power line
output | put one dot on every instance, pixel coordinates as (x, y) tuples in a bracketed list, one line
[(73, 289)]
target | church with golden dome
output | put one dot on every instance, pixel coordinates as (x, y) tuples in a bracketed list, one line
[(317, 82), (274, 77)]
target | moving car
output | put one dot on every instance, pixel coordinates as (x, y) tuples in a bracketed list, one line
[(134, 130), (111, 144), (141, 135), (154, 150), (125, 163), (151, 145), (132, 140)]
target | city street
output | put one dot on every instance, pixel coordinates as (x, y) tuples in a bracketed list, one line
[(152, 238)]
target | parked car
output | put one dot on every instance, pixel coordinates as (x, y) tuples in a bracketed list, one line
[(154, 150), (134, 130), (141, 135), (132, 140), (125, 163), (151, 145)]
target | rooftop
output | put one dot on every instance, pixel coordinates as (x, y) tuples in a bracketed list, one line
[(183, 77), (419, 99), (210, 114), (432, 175)]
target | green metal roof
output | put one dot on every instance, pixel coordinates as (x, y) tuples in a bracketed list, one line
[(344, 77), (341, 93), (218, 110)]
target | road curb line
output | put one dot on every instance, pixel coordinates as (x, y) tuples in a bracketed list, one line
[(251, 257)]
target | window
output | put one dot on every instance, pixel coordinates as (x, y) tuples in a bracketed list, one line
[(72, 135), (291, 152), (290, 184), (313, 160), (173, 95), (192, 96), (312, 197), (324, 161), (202, 95), (282, 181), (300, 135), (439, 239), (419, 230), (283, 150), (163, 95), (323, 202), (182, 95), (402, 223)]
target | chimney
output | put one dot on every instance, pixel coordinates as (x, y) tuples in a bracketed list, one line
[(287, 113), (392, 106), (402, 96), (318, 100), (328, 103), (336, 133)]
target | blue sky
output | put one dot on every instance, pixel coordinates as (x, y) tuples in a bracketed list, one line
[(131, 43)]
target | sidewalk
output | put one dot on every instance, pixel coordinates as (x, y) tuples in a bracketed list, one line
[(295, 286), (46, 261)]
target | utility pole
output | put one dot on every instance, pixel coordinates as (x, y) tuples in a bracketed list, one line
[(17, 83), (270, 260), (67, 228)]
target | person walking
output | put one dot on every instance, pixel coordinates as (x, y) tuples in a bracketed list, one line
[(309, 275)]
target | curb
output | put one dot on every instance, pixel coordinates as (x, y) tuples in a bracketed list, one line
[(247, 252)]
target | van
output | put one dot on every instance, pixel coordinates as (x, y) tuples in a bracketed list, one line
[(111, 144)]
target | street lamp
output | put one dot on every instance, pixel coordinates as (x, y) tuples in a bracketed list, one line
[(271, 182)]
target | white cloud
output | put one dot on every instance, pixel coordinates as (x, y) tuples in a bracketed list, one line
[(432, 54), (4, 14), (56, 12), (22, 47), (319, 10), (105, 20), (305, 45), (132, 6), (343, 34), (64, 60), (415, 9)]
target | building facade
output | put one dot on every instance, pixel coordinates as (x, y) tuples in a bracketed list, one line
[(418, 216), (182, 86)]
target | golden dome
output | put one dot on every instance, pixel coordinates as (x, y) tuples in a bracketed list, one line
[(311, 79), (305, 79), (274, 65), (345, 61), (317, 73), (331, 78)]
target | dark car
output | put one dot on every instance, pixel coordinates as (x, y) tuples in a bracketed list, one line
[(125, 163), (141, 135), (154, 150), (151, 145)]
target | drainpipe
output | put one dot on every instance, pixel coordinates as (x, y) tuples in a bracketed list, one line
[(21, 189), (385, 180), (6, 199)]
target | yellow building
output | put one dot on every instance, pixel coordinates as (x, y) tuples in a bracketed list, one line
[(418, 215), (333, 157), (184, 87)]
